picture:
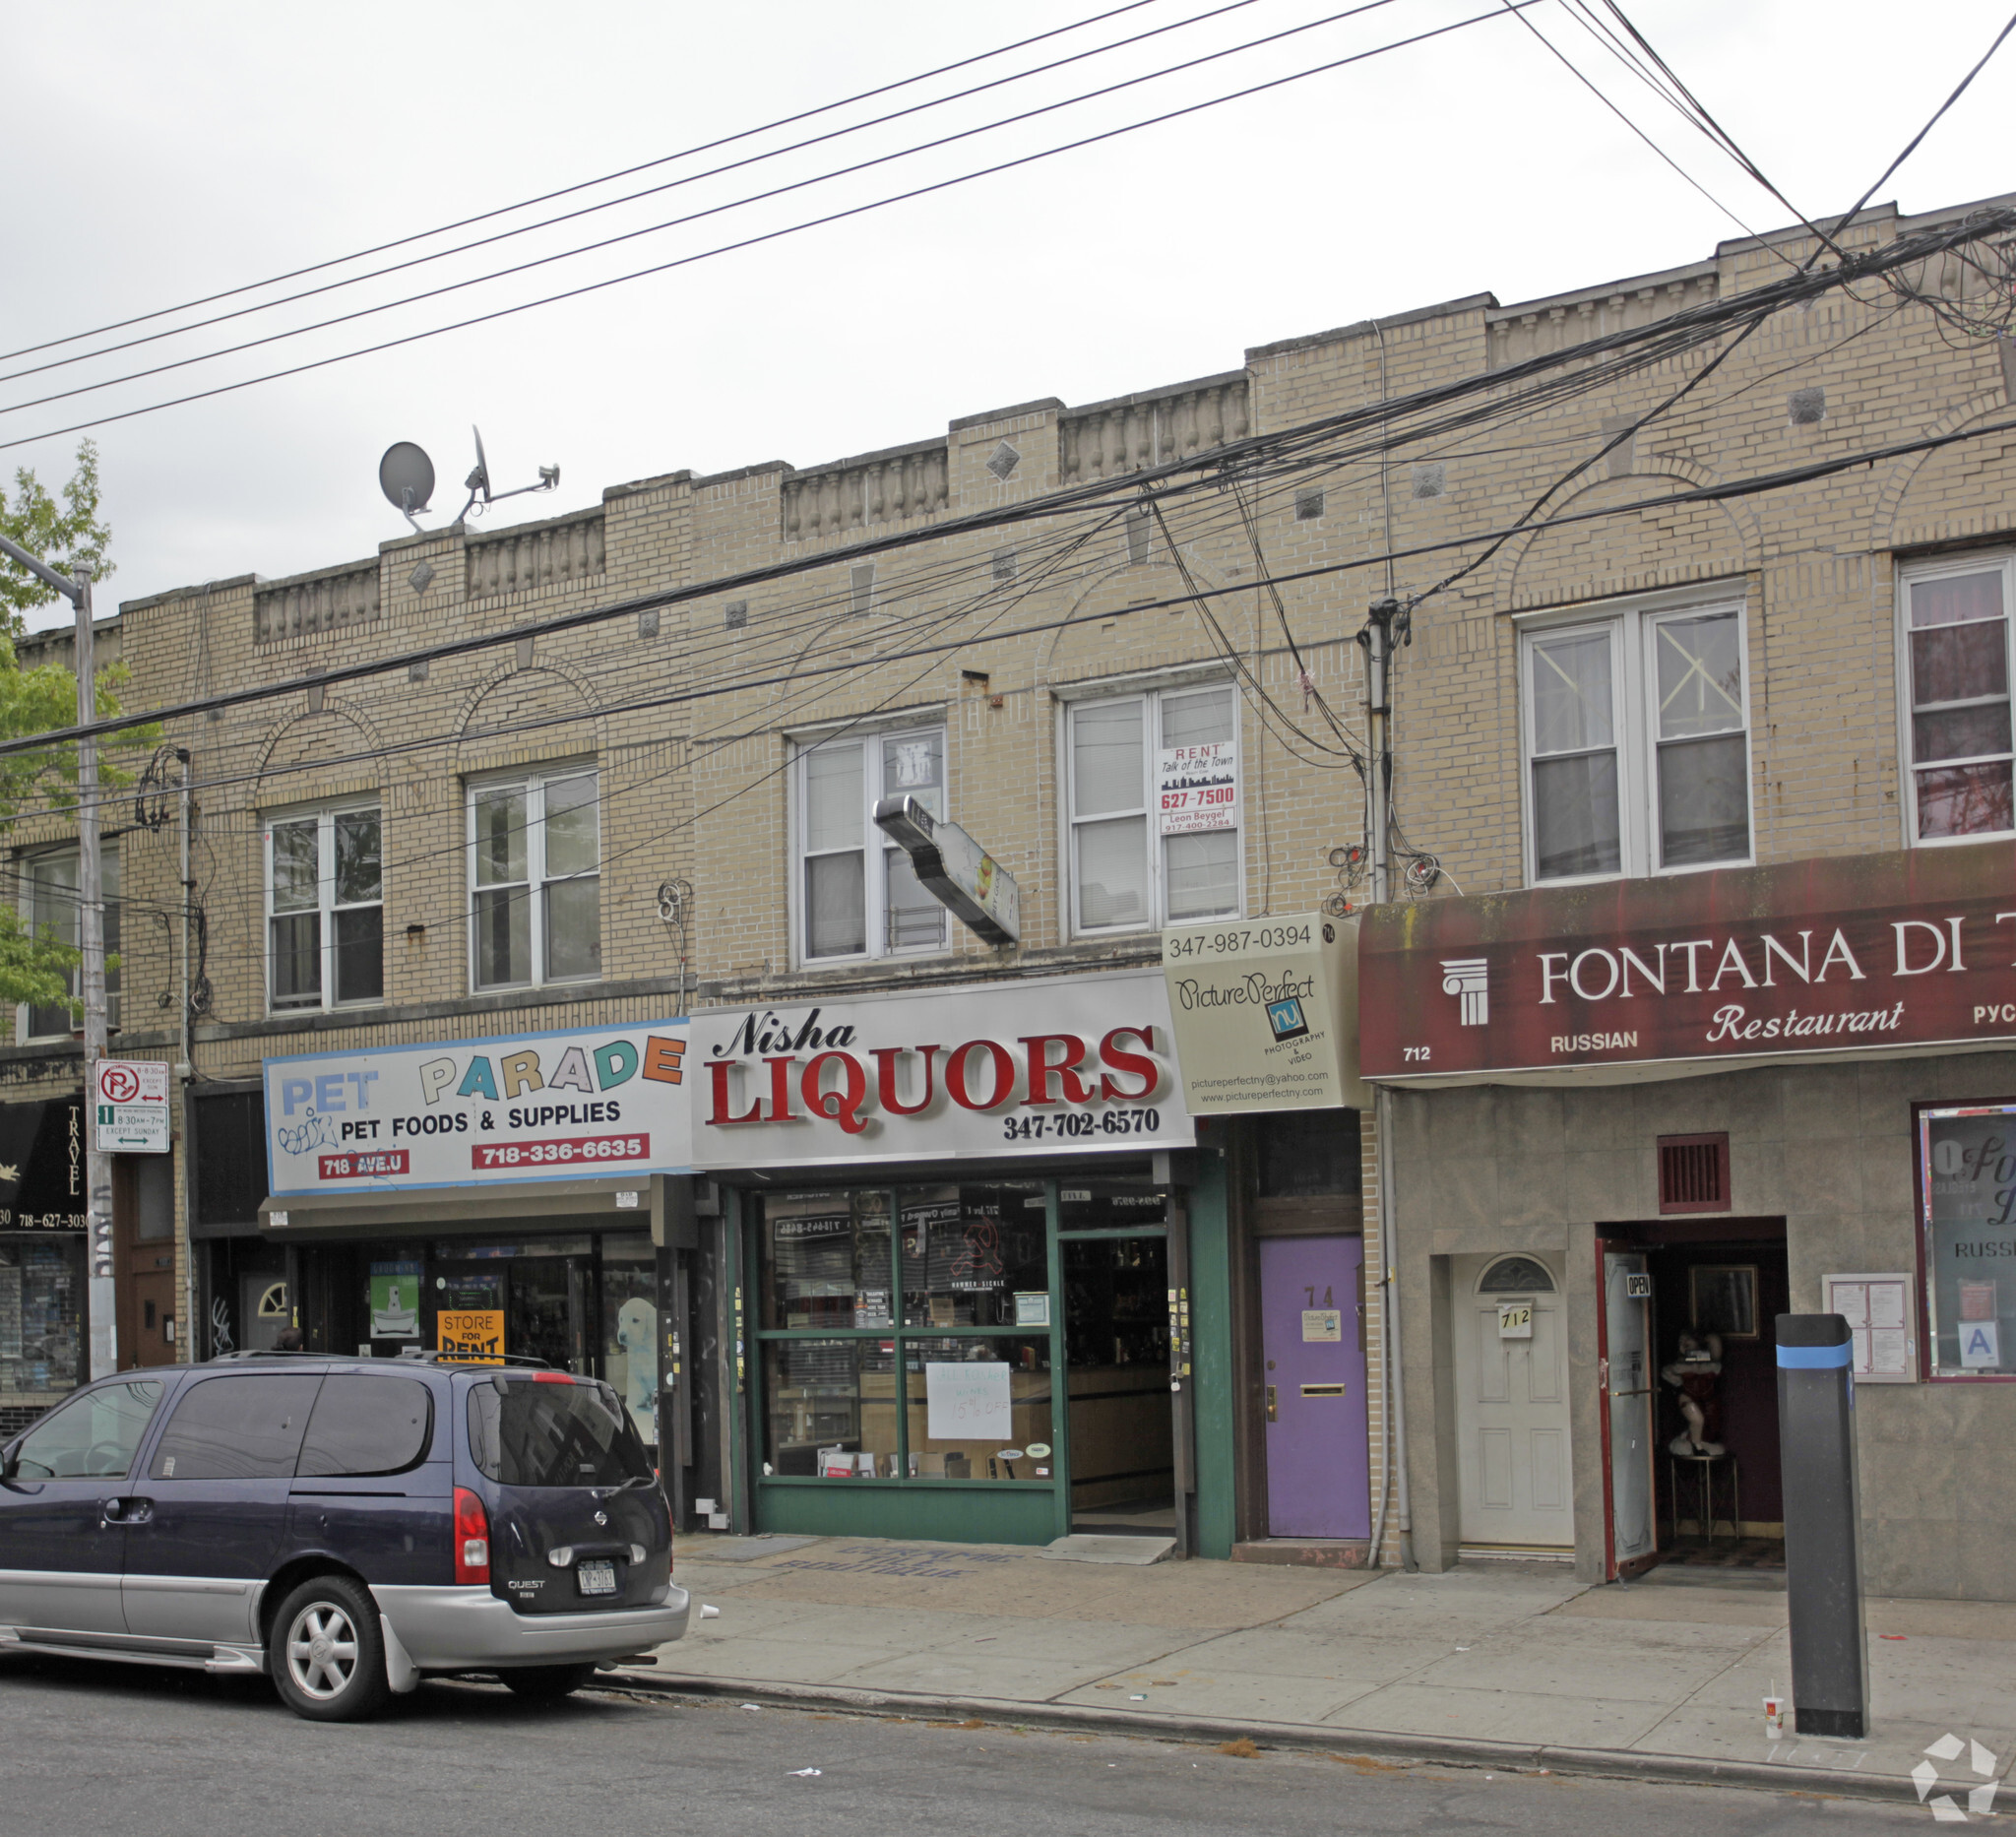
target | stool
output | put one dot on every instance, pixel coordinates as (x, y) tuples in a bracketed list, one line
[(1702, 1484)]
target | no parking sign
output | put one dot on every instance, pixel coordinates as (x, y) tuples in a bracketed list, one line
[(130, 1106)]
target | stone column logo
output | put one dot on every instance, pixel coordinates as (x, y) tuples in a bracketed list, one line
[(1469, 978)]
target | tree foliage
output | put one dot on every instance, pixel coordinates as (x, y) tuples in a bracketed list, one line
[(36, 967), (61, 534)]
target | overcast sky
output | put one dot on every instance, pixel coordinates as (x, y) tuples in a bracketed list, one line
[(159, 154)]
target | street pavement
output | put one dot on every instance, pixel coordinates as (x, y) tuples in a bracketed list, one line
[(86, 1749), (1516, 1664)]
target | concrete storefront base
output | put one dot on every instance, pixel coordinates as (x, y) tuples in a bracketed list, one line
[(1824, 1150)]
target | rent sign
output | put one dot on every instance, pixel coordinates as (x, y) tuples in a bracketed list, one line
[(475, 1112), (1910, 949)]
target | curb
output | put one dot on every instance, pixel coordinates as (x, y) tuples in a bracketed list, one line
[(1448, 1751)]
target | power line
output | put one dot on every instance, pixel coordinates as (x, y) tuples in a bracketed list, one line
[(587, 184), (611, 204), (752, 242)]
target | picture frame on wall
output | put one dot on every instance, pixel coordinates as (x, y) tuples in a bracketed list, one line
[(1722, 1298)]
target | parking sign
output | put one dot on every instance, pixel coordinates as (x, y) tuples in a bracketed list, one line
[(130, 1106)]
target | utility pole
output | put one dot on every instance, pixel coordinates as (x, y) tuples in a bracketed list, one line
[(90, 939), (1384, 620)]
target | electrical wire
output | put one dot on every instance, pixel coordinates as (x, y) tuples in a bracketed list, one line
[(746, 242), (587, 184), (611, 204)]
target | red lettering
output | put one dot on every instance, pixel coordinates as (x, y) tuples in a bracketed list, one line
[(884, 1079), (722, 1102), (1065, 1071), (1004, 1074), (844, 1106), (781, 1089), (1139, 1063)]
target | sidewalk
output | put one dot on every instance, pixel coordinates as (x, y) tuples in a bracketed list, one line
[(1499, 1663)]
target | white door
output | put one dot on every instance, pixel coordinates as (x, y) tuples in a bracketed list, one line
[(1628, 1355), (1511, 1403)]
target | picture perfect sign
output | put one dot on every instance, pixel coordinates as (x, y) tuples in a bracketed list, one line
[(1266, 1013), (480, 1112), (1000, 1069), (1851, 954)]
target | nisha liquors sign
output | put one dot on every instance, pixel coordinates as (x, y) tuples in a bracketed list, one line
[(997, 1070), (1852, 954)]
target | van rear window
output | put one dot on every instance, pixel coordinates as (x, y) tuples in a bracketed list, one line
[(546, 1434)]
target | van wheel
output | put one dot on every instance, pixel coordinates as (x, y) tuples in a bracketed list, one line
[(325, 1653), (546, 1683)]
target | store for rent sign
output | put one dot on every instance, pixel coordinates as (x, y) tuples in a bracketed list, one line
[(1197, 787), (535, 1106), (1002, 1069), (1910, 949)]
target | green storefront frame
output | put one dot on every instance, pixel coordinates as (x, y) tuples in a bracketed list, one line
[(1000, 1511)]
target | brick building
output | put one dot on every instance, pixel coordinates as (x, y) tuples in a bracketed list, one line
[(672, 811)]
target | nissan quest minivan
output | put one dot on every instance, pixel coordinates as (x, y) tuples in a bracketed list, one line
[(347, 1526)]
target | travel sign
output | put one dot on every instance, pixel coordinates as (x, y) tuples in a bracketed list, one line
[(478, 1113), (1851, 954)]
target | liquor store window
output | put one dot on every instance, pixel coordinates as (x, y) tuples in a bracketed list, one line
[(1637, 740), (534, 848), (1966, 1240), (857, 894), (48, 905), (1954, 645), (919, 1333), (325, 893)]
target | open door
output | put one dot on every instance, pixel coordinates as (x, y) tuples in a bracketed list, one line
[(1627, 1380)]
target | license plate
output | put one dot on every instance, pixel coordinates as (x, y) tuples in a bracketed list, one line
[(597, 1578)]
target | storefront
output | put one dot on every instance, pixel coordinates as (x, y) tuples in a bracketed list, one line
[(1632, 1122), (499, 1197), (1265, 1014), (981, 1265), (44, 1349)]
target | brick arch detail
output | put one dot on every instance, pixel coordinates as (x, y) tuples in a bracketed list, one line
[(1685, 472), (1904, 470), (344, 711), (568, 674)]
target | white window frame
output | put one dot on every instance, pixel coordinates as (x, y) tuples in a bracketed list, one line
[(1991, 561), (875, 847), (533, 781), (108, 869), (326, 905), (1151, 695), (1633, 630)]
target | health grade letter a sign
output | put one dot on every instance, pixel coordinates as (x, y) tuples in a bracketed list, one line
[(481, 1113), (130, 1106)]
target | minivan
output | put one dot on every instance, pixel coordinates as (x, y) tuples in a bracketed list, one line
[(347, 1526)]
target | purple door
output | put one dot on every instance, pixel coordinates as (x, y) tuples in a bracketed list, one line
[(1318, 1467)]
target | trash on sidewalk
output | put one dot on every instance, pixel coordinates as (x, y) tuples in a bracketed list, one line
[(709, 1614), (805, 1773)]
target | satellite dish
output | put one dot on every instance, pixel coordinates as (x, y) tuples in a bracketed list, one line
[(477, 484), (406, 474)]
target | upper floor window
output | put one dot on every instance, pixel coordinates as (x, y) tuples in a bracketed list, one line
[(1135, 860), (1637, 745), (50, 909), (1955, 623), (536, 911), (858, 893), (325, 921)]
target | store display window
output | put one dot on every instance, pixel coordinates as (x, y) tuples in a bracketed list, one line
[(917, 1334), (1966, 1222), (42, 1315)]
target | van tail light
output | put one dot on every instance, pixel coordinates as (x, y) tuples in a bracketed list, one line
[(472, 1537)]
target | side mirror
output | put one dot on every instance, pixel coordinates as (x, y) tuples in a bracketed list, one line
[(9, 1463)]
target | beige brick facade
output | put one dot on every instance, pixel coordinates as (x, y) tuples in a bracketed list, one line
[(691, 711)]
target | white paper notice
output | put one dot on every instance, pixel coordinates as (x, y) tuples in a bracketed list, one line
[(969, 1402), (1887, 1303), (1889, 1353)]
